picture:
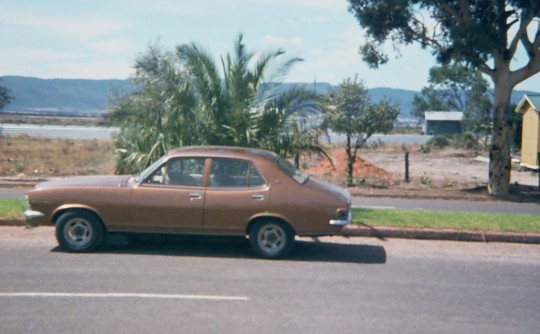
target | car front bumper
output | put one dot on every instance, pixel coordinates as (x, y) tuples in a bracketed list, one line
[(31, 214), (341, 222)]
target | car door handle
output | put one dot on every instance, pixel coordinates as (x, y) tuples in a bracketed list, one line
[(194, 195), (257, 196)]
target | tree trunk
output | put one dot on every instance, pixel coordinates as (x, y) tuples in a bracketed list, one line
[(350, 161), (297, 160), (500, 164)]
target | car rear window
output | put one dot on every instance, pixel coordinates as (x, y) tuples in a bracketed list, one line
[(292, 171), (233, 173)]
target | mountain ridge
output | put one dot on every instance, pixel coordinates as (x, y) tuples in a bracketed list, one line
[(89, 97)]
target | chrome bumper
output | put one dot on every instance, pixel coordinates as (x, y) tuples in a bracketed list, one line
[(341, 222), (31, 214)]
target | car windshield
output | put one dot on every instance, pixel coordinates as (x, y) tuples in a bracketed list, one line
[(146, 173), (292, 171)]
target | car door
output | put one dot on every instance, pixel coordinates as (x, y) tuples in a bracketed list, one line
[(235, 193), (172, 198)]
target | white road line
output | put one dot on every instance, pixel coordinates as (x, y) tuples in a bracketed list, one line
[(121, 295)]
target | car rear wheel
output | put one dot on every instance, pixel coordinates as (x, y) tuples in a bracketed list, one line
[(79, 231), (271, 239)]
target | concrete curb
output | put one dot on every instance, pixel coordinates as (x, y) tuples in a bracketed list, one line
[(436, 234), (11, 222)]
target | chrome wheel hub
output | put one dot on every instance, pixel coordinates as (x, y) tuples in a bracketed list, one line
[(78, 232), (271, 238)]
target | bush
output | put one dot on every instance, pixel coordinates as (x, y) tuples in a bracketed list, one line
[(468, 140), (439, 141)]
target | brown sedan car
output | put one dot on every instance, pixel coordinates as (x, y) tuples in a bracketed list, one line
[(195, 190)]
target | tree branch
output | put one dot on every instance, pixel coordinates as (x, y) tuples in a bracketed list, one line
[(444, 4), (466, 13), (536, 43), (419, 33), (520, 35), (484, 68)]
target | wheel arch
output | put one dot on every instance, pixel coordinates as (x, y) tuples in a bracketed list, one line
[(77, 208), (277, 218)]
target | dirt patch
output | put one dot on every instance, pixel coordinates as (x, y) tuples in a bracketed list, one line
[(338, 166), (449, 172), (28, 157)]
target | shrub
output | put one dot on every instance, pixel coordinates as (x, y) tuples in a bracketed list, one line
[(468, 140), (439, 141)]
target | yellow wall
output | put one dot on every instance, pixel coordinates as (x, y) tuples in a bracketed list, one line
[(530, 143)]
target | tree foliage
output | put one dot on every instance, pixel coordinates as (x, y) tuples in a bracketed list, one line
[(5, 98), (184, 97), (349, 111), (456, 87), (485, 34)]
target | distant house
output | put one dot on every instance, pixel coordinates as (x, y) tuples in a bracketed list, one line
[(443, 122), (529, 106)]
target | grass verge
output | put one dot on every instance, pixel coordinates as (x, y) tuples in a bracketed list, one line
[(12, 208), (469, 221)]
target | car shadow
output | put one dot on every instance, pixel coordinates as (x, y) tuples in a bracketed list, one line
[(237, 247)]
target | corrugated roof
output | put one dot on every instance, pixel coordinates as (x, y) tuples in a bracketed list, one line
[(443, 115)]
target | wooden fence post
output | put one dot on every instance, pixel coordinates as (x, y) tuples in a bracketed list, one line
[(407, 167)]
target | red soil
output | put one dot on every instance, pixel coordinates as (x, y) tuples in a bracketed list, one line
[(361, 168)]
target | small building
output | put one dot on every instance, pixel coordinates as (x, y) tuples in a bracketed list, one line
[(529, 106), (443, 122)]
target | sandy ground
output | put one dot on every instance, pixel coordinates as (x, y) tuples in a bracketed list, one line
[(445, 167), (452, 172)]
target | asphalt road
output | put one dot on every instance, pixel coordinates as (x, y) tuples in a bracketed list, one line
[(446, 205), (397, 203), (91, 132), (203, 285), (13, 192)]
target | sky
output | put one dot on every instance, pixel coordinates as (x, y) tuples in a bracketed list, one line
[(97, 39)]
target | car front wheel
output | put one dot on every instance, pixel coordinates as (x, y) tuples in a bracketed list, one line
[(271, 239), (79, 231)]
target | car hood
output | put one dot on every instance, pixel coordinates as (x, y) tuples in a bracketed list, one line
[(86, 181), (336, 191)]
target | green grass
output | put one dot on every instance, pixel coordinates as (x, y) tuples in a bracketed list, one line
[(473, 221), (11, 208)]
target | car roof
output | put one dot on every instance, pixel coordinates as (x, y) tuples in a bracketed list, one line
[(223, 151)]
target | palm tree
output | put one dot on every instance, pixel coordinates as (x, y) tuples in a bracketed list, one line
[(153, 118), (187, 98), (249, 106)]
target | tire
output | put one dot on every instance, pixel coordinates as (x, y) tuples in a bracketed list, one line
[(79, 231), (271, 239)]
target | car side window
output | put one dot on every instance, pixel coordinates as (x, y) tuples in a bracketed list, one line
[(232, 173), (185, 172), (180, 172)]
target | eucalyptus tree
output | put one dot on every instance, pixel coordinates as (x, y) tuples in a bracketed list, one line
[(486, 34)]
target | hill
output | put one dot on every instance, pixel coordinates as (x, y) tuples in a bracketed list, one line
[(81, 97), (60, 96)]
